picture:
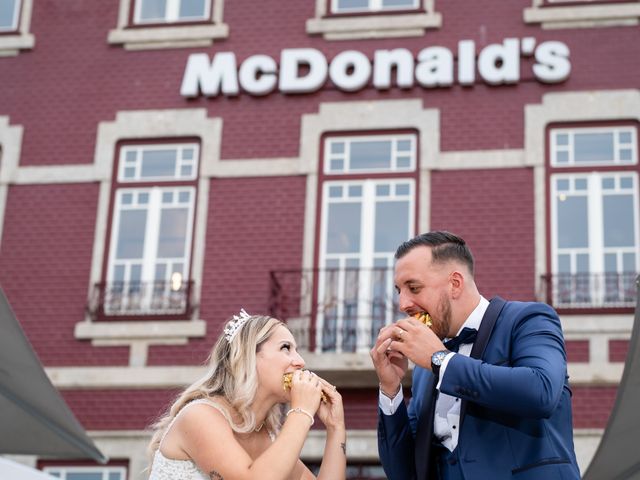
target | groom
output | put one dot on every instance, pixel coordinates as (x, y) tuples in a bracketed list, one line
[(494, 402)]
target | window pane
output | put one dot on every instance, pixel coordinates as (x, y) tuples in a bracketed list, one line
[(402, 189), (343, 234), (593, 147), (7, 12), (84, 475), (625, 154), (192, 8), (404, 145), (618, 220), (629, 262), (335, 191), (392, 225), (582, 263), (371, 154), (337, 147), (610, 263), (564, 264), (382, 190), (115, 476), (397, 3), (580, 184), (158, 163), (131, 234), (172, 236), (352, 4), (625, 137), (562, 157), (355, 191), (608, 183), (153, 9), (562, 139), (572, 222), (562, 184), (336, 165)]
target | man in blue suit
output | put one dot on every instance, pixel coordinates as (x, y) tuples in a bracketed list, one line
[(491, 402)]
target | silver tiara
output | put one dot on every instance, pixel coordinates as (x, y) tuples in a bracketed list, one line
[(234, 325)]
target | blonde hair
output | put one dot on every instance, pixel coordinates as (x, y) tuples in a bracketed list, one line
[(231, 375)]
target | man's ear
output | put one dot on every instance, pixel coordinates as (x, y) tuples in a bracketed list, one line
[(456, 283)]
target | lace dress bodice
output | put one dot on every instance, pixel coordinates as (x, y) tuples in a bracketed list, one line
[(164, 468)]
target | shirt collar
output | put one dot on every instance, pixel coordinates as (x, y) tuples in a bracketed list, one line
[(474, 320)]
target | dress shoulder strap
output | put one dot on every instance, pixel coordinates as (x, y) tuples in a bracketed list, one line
[(198, 401)]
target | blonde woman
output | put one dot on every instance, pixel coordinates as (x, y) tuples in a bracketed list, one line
[(228, 425)]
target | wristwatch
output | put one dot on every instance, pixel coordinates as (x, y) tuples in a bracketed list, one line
[(436, 360)]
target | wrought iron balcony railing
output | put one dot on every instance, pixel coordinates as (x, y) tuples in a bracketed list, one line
[(589, 290), (140, 299), (334, 310)]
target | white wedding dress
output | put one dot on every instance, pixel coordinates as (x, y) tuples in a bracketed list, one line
[(164, 468)]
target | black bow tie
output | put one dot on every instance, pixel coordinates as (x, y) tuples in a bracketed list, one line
[(467, 335)]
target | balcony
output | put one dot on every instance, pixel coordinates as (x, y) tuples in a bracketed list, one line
[(588, 291), (141, 300), (334, 310)]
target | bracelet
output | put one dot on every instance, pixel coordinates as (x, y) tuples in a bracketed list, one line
[(387, 395), (304, 412)]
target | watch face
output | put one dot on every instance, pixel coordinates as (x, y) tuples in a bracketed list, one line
[(438, 357)]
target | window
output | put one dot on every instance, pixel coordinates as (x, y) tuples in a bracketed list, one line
[(150, 246), (350, 6), (87, 473), (358, 19), (594, 210), (171, 11), (583, 13), (15, 20), (363, 222), (9, 10), (152, 24)]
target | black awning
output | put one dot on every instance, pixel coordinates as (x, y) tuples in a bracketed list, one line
[(618, 455), (34, 418)]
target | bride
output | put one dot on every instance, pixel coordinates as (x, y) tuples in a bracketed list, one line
[(229, 424)]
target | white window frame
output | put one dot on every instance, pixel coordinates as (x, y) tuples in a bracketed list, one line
[(106, 471), (373, 7), (595, 248), (171, 14), (18, 36), (348, 141), (583, 14), (380, 24), (366, 257), (150, 259), (154, 193), (180, 162), (169, 35), (571, 132)]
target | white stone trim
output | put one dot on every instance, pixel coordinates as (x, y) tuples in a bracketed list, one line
[(365, 115), (12, 43), (171, 36), (10, 148), (379, 25), (145, 124), (481, 159), (586, 441), (583, 16), (596, 105)]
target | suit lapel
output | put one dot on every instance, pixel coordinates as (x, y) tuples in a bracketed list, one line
[(424, 429), (484, 334)]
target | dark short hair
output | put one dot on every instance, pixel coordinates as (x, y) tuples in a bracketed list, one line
[(445, 246)]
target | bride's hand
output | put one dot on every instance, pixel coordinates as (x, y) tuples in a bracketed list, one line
[(331, 413)]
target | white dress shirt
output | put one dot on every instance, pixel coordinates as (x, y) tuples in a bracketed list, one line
[(446, 420)]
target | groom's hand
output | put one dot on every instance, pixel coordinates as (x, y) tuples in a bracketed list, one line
[(390, 365)]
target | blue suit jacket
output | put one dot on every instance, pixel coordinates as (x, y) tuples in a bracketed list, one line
[(515, 420)]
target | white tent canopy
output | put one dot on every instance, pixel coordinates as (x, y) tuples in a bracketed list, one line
[(16, 471), (34, 418)]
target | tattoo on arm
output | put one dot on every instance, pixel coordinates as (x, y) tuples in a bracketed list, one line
[(344, 447), (213, 475)]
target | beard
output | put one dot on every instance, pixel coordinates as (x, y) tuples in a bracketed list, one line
[(442, 323)]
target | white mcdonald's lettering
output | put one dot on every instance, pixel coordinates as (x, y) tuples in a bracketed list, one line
[(306, 70)]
